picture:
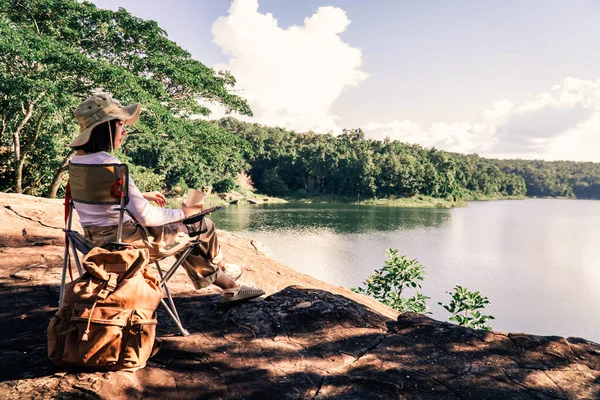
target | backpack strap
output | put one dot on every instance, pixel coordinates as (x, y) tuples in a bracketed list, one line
[(67, 201), (109, 287), (67, 212)]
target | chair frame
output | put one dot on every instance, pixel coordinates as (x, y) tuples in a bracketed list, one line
[(75, 241)]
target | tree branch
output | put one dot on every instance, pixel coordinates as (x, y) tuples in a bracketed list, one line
[(3, 128), (58, 176), (27, 147), (17, 147), (17, 143), (36, 134)]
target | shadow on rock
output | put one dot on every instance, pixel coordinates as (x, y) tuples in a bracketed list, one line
[(302, 343), (25, 311)]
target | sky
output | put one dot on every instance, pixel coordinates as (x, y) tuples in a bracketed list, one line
[(501, 78)]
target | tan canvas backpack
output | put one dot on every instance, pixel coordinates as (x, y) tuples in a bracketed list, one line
[(108, 319)]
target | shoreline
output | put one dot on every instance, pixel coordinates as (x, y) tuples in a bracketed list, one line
[(418, 201)]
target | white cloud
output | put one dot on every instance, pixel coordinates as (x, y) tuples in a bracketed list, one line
[(291, 76), (563, 123), (460, 137)]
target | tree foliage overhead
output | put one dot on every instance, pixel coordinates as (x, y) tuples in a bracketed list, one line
[(55, 53)]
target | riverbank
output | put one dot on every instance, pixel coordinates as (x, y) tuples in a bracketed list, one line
[(404, 202), (419, 201), (435, 202), (414, 202), (306, 339), (494, 198), (228, 198), (253, 198)]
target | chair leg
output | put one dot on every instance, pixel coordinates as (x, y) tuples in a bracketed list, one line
[(172, 310), (76, 257), (171, 271), (175, 319), (64, 273), (164, 284)]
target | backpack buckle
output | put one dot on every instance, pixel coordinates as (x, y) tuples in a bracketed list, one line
[(109, 286)]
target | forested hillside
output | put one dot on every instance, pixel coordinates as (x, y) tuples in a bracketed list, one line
[(284, 162)]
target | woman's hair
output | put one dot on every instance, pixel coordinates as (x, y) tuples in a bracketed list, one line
[(100, 138)]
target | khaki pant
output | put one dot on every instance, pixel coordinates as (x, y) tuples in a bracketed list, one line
[(168, 240)]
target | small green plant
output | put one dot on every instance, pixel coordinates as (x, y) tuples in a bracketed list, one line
[(224, 185), (388, 283), (464, 306)]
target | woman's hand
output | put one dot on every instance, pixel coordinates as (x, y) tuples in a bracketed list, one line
[(156, 197), (189, 211)]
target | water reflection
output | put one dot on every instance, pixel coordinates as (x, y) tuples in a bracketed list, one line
[(537, 260), (306, 219)]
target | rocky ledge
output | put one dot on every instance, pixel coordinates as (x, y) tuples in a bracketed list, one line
[(305, 339)]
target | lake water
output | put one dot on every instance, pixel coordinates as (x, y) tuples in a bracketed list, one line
[(538, 261)]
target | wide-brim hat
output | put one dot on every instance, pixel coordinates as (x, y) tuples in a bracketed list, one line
[(100, 108)]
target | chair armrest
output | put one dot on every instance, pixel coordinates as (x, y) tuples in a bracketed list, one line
[(194, 223)]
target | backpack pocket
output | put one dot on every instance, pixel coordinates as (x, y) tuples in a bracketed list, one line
[(59, 324), (95, 336), (140, 339)]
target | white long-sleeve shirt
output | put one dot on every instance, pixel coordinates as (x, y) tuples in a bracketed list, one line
[(138, 206)]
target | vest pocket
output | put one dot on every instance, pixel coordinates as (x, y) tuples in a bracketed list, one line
[(103, 327)]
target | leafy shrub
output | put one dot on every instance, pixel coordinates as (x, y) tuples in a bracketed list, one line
[(145, 179), (398, 273), (225, 185), (300, 193), (272, 184), (388, 283), (463, 308)]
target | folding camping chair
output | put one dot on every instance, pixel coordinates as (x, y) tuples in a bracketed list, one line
[(108, 184)]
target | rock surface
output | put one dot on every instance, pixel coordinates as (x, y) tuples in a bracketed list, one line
[(305, 339)]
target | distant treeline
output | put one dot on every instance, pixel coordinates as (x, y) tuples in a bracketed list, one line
[(568, 179), (283, 162)]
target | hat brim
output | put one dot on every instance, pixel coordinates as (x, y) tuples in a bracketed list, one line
[(129, 114)]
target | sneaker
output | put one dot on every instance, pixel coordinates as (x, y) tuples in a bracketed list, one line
[(241, 293)]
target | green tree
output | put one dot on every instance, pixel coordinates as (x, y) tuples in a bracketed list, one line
[(54, 52)]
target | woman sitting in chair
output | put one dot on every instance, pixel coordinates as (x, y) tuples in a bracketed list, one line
[(102, 121)]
